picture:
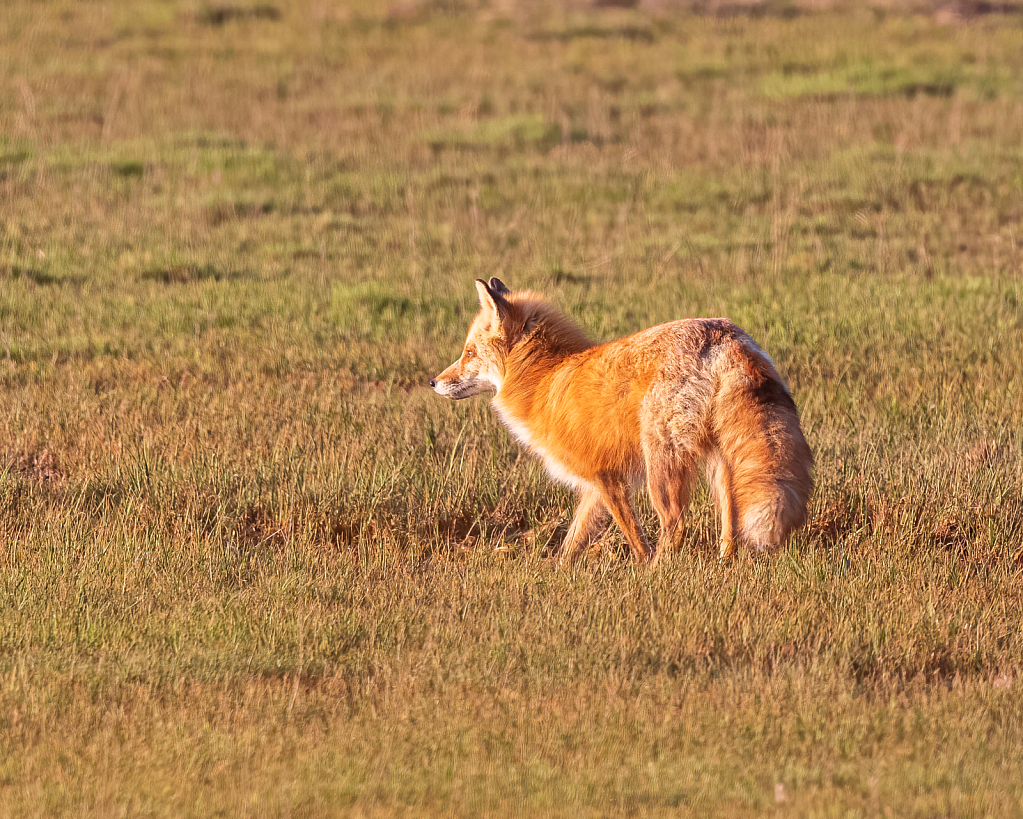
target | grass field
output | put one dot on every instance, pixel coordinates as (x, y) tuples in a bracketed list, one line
[(251, 565)]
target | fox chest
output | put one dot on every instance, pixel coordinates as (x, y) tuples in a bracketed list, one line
[(573, 456), (554, 460)]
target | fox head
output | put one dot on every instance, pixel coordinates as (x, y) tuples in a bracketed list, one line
[(481, 365)]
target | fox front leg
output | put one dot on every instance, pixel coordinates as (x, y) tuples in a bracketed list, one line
[(615, 494), (589, 521)]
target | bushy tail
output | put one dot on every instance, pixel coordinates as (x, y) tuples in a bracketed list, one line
[(760, 442)]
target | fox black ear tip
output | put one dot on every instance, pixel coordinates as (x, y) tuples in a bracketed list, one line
[(498, 286)]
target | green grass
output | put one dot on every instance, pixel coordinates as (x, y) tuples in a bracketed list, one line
[(251, 565)]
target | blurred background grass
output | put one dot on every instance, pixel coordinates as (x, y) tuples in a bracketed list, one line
[(250, 565)]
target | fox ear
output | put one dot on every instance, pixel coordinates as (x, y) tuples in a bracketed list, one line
[(498, 286), (492, 301)]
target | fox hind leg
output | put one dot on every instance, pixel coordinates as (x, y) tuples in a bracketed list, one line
[(670, 483), (722, 489)]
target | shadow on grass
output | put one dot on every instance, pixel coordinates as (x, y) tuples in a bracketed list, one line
[(220, 15), (36, 275), (631, 33), (191, 273)]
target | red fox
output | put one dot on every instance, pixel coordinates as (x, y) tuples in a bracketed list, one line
[(654, 405)]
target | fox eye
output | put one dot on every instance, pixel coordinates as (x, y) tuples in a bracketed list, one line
[(470, 353)]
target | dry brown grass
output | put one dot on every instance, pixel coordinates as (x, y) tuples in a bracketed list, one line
[(250, 565)]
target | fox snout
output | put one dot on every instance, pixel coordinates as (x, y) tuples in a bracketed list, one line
[(449, 382), (455, 384), (466, 377)]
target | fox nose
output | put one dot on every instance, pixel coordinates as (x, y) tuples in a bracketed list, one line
[(433, 382)]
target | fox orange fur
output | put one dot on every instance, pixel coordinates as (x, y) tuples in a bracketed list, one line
[(656, 405)]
